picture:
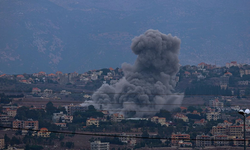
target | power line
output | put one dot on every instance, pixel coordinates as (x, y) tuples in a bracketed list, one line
[(114, 135)]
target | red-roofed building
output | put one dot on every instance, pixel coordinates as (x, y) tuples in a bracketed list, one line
[(181, 116), (183, 108), (44, 132), (221, 140), (92, 121), (239, 121), (41, 73), (51, 75), (36, 90), (176, 138), (202, 65), (111, 69), (58, 73), (2, 75), (228, 74), (203, 140), (201, 122), (20, 76), (116, 117), (236, 131)]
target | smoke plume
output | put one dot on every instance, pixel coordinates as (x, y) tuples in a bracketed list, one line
[(148, 85)]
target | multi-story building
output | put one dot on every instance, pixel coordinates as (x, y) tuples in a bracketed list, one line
[(236, 131), (221, 140), (160, 120), (128, 138), (213, 116), (218, 130), (116, 117), (98, 145), (203, 140), (176, 138), (11, 112), (92, 121), (240, 142), (71, 109), (30, 124), (216, 103)]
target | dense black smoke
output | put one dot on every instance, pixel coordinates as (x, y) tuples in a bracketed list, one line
[(148, 85)]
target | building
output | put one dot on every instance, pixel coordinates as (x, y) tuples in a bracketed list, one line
[(92, 121), (203, 140), (240, 142), (2, 144), (213, 116), (30, 124), (221, 140), (176, 138), (98, 145), (160, 120), (71, 109), (36, 90), (116, 117), (181, 116), (217, 130), (62, 125), (236, 131), (56, 116), (128, 138), (10, 112), (44, 132), (201, 122), (216, 103)]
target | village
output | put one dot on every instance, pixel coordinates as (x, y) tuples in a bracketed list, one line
[(44, 111)]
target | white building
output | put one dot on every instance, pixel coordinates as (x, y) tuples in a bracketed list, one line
[(98, 145)]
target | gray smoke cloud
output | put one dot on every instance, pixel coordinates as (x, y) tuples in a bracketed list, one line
[(148, 85)]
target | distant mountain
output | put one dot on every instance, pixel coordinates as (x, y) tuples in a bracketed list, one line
[(80, 35)]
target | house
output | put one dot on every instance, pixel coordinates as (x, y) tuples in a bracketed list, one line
[(10, 112), (116, 117), (41, 73), (59, 73), (239, 121), (181, 116), (20, 77), (67, 118), (201, 65), (44, 132), (36, 90), (179, 137), (92, 121), (203, 140), (201, 122)]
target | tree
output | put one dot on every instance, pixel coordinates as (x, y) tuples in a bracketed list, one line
[(69, 144), (50, 109)]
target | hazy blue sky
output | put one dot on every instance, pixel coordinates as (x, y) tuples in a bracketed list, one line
[(77, 35)]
